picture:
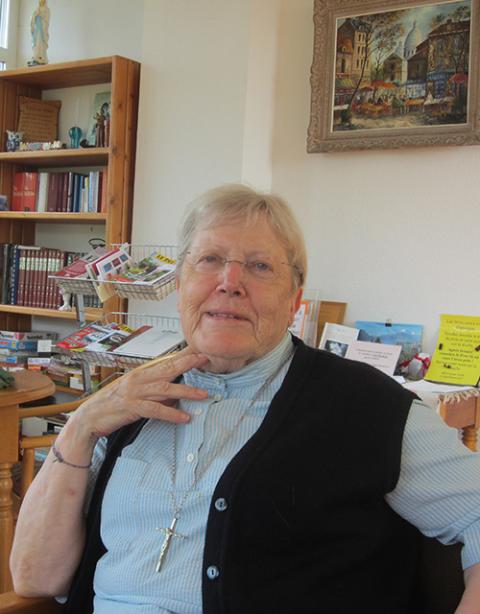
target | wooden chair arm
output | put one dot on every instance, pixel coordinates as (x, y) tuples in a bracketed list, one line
[(50, 410), (11, 603), (37, 441)]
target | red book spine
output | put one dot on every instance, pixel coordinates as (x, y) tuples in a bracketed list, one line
[(30, 191), (17, 194)]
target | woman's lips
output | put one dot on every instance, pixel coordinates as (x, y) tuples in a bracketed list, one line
[(225, 315)]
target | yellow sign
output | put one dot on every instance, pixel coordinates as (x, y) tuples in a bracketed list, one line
[(456, 359)]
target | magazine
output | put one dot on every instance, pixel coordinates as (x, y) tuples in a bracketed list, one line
[(151, 343), (150, 270), (111, 341), (111, 262), (92, 333), (78, 268)]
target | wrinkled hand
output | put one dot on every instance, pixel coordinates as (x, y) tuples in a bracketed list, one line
[(142, 393)]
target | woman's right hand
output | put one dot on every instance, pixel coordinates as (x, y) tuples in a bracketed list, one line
[(141, 393)]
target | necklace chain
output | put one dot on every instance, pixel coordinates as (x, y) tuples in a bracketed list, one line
[(177, 507)]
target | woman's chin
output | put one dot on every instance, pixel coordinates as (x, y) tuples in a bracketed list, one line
[(225, 349)]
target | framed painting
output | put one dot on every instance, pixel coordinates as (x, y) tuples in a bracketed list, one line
[(390, 73)]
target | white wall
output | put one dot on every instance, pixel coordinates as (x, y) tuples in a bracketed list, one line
[(393, 233), (225, 97), (192, 108), (82, 29)]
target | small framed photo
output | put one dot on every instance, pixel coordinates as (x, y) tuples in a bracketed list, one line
[(394, 73)]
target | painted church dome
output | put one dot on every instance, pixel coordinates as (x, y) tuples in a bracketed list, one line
[(413, 39)]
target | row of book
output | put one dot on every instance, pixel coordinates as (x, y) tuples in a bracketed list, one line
[(25, 275), (67, 192), (26, 349)]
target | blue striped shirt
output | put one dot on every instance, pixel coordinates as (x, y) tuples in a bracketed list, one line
[(138, 498)]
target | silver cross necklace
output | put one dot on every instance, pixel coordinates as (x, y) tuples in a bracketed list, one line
[(177, 507)]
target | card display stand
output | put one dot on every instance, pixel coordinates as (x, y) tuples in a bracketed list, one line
[(116, 360), (154, 291)]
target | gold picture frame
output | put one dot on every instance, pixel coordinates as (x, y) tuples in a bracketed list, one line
[(394, 73)]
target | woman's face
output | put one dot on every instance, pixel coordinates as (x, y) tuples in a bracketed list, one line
[(233, 316)]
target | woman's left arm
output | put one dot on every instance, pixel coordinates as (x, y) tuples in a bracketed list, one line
[(438, 491), (470, 603)]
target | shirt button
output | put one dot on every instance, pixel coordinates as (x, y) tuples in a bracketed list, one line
[(221, 504), (213, 572), (198, 411), (190, 457), (217, 397)]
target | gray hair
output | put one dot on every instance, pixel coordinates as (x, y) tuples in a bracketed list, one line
[(231, 203)]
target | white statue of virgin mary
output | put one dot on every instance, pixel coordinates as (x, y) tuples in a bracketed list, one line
[(39, 28)]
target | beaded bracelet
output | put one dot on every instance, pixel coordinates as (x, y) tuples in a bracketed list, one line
[(59, 458)]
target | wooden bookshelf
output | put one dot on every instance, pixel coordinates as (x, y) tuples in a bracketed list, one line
[(119, 159), (90, 314), (53, 216), (90, 156)]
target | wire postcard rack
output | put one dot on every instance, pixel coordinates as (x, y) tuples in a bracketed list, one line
[(116, 360), (157, 289)]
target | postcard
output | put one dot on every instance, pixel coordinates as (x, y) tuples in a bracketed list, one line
[(380, 355), (336, 338), (408, 336)]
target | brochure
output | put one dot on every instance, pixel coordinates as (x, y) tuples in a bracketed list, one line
[(148, 271), (456, 359), (408, 336), (380, 355), (151, 343)]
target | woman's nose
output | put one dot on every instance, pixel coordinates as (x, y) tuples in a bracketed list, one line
[(232, 275)]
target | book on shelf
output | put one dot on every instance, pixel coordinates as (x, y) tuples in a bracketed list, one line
[(25, 277), (34, 335), (19, 344), (17, 192), (41, 204), (38, 363), (25, 190), (59, 192), (61, 372)]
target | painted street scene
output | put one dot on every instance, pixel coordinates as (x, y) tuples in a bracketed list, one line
[(403, 69)]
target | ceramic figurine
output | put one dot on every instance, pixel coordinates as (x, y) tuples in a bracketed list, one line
[(13, 140), (39, 29)]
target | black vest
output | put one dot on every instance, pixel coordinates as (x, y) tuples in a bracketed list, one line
[(306, 528)]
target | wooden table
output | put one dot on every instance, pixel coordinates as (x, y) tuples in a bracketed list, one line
[(28, 386)]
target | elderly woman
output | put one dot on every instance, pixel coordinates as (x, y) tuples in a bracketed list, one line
[(248, 473)]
